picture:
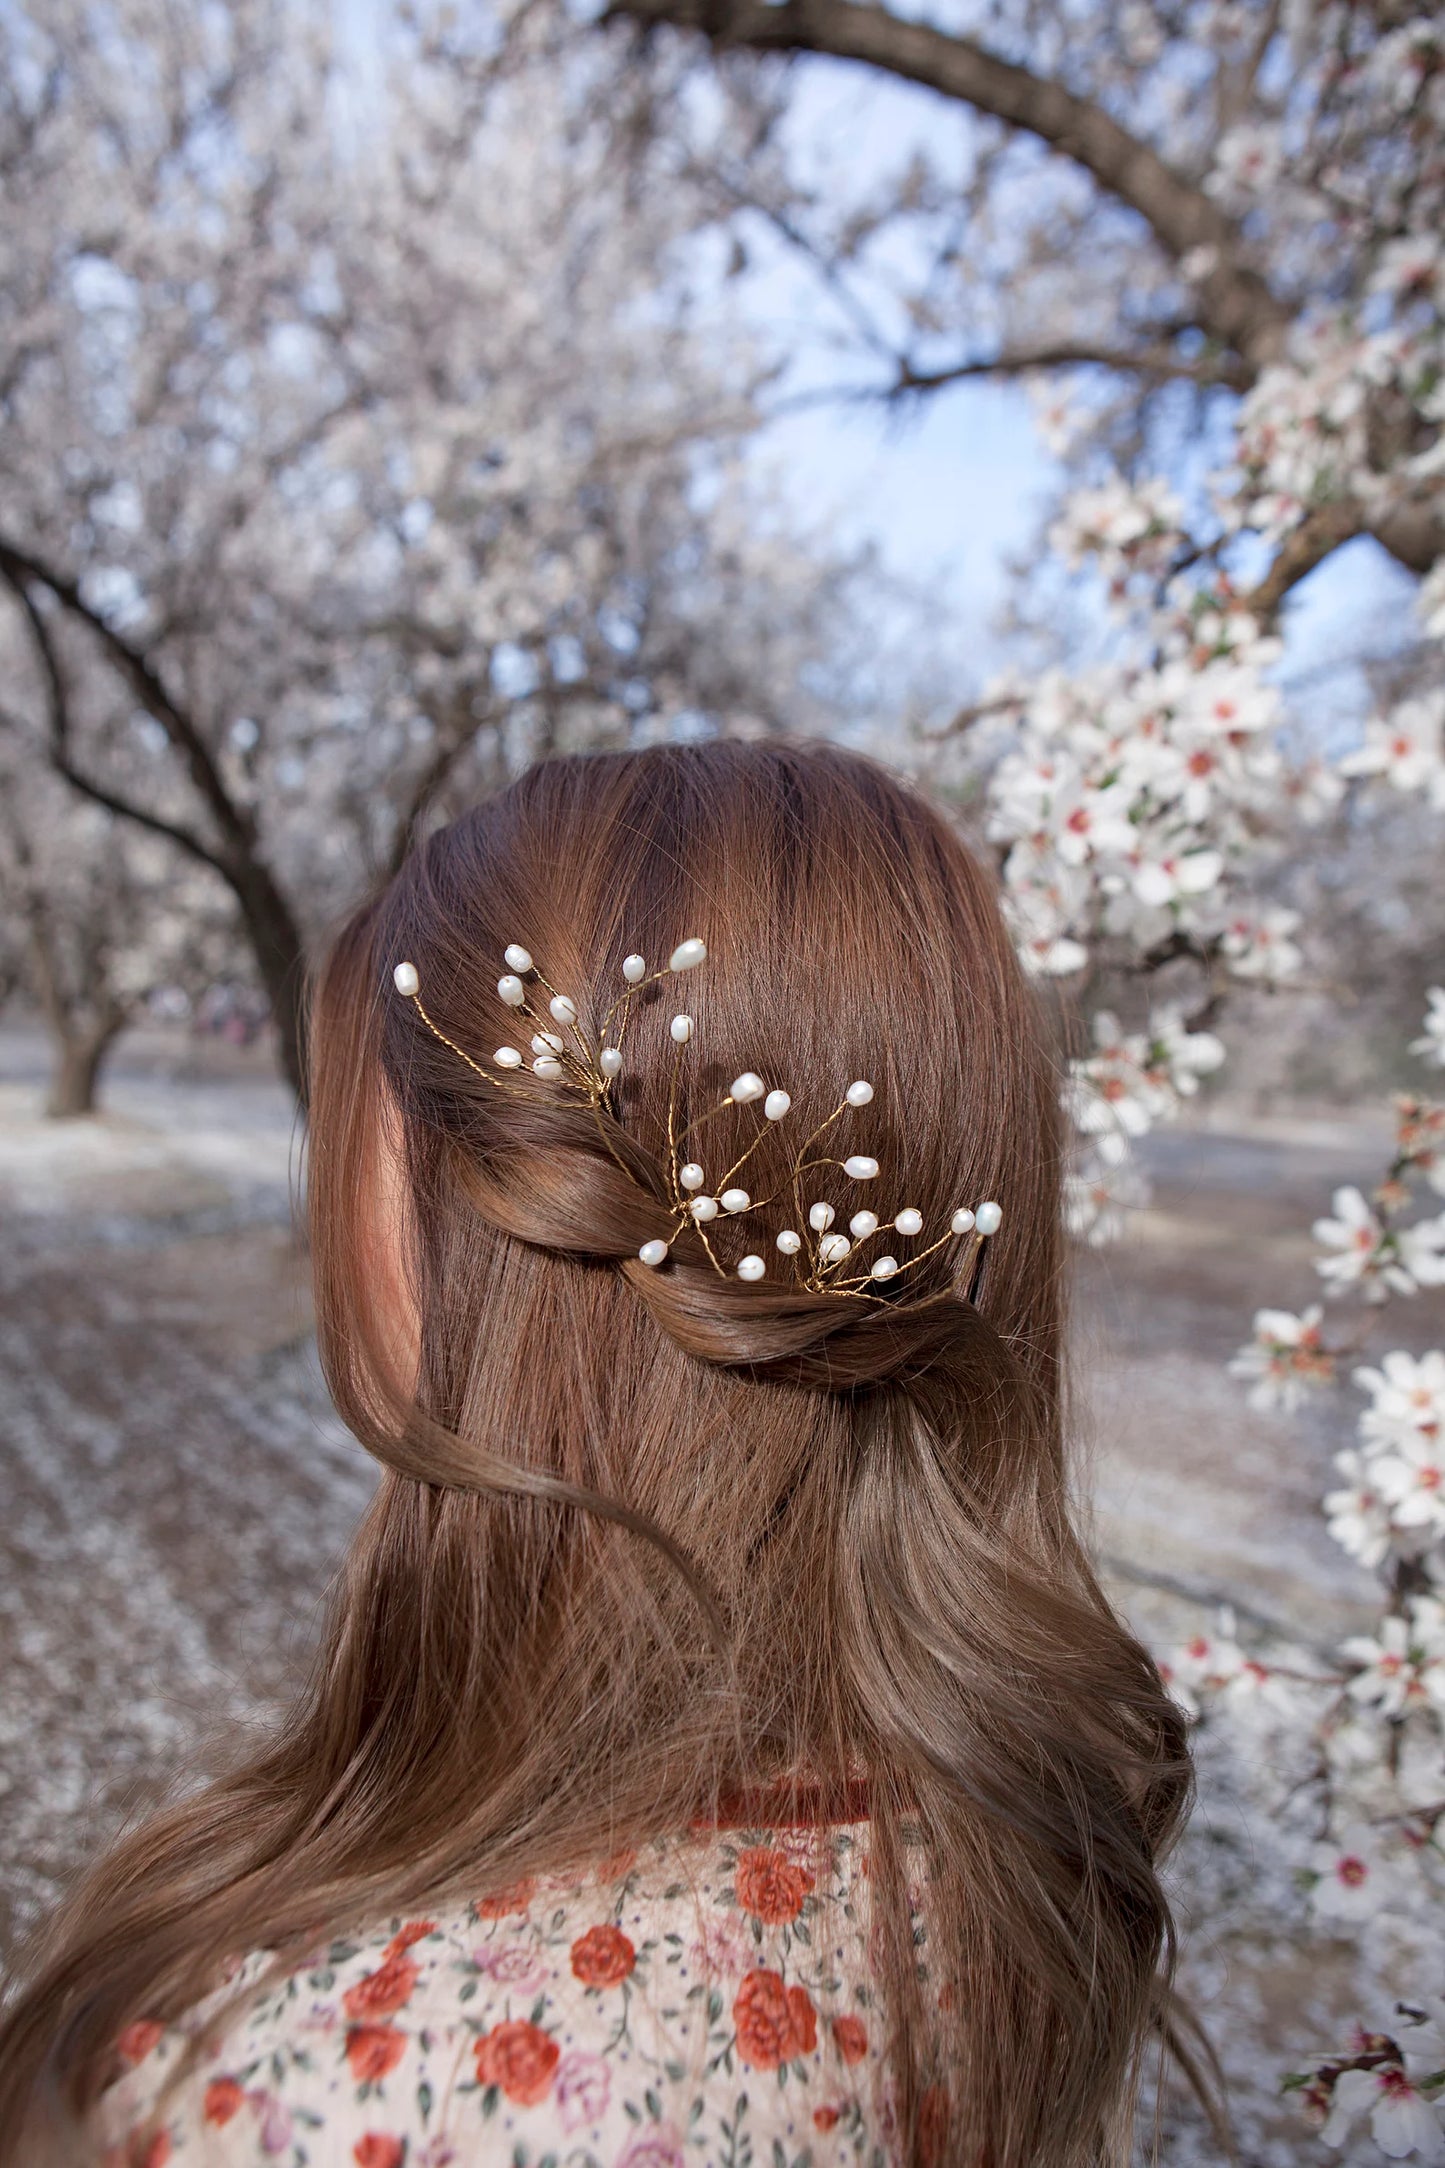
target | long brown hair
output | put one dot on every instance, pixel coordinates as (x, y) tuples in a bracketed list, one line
[(649, 1540)]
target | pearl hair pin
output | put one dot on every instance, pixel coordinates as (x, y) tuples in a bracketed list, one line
[(826, 1260)]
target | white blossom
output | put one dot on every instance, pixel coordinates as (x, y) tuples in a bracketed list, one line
[(1397, 1672), (1402, 2123), (1286, 1359), (1100, 1192), (1407, 1398), (1406, 748), (1377, 1260), (1431, 1043), (1411, 1481), (1259, 945), (1421, 1250), (1353, 1878), (1357, 1516)]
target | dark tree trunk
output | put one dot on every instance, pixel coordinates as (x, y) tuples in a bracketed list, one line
[(276, 943), (78, 1058)]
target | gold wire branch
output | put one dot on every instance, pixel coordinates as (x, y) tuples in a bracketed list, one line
[(819, 1257)]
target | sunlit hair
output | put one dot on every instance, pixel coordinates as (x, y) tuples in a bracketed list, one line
[(650, 1541)]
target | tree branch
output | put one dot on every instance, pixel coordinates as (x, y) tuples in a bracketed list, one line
[(57, 715), (1316, 537), (270, 922), (235, 824), (1235, 303), (1157, 362)]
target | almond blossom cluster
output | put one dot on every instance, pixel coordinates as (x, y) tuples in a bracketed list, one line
[(1141, 799), (1131, 796), (1377, 1715), (1119, 1091)]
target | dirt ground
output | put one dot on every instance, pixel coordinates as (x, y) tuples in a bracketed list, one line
[(177, 1491)]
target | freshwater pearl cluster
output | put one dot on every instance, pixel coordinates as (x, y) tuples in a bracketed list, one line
[(823, 1258)]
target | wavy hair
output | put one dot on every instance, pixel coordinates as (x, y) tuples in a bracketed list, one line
[(650, 1540)]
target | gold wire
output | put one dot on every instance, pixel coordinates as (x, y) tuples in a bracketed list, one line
[(437, 1033), (586, 1076)]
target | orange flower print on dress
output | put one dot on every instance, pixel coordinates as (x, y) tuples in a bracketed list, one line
[(136, 2042), (519, 2057), (771, 1886), (603, 1957), (375, 2150), (775, 2024), (536, 1989), (381, 1993), (850, 2036), (223, 2097), (504, 1902), (373, 2050), (401, 1942)]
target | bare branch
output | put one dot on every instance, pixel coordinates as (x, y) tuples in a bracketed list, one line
[(57, 712), (1160, 363), (235, 823), (1311, 543), (1235, 303)]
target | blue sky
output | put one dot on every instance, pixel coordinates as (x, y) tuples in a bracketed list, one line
[(948, 492)]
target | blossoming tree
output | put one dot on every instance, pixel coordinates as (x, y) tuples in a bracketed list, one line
[(1209, 237), (356, 452)]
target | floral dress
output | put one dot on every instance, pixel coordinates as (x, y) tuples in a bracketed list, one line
[(677, 2008)]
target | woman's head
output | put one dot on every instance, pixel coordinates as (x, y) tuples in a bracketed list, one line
[(647, 1538), (848, 934)]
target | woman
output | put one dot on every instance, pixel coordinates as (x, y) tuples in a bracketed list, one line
[(721, 1750)]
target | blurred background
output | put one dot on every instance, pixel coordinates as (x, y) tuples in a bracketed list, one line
[(1045, 399)]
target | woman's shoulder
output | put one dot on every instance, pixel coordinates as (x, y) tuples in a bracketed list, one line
[(704, 1999)]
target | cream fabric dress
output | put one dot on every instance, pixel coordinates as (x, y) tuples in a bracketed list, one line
[(702, 2004)]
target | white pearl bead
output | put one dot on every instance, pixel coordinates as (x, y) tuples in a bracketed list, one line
[(883, 1268), (681, 1028), (909, 1222), (859, 1094), (861, 1167), (988, 1219), (789, 1242), (863, 1223), (512, 991), (406, 980), (751, 1268), (546, 1042), (653, 1252), (776, 1105), (691, 1176), (961, 1223), (735, 1200), (548, 1066), (609, 1061), (704, 1208), (518, 958), (634, 968), (507, 1057), (564, 1008), (746, 1088), (686, 955), (833, 1249), (820, 1216)]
